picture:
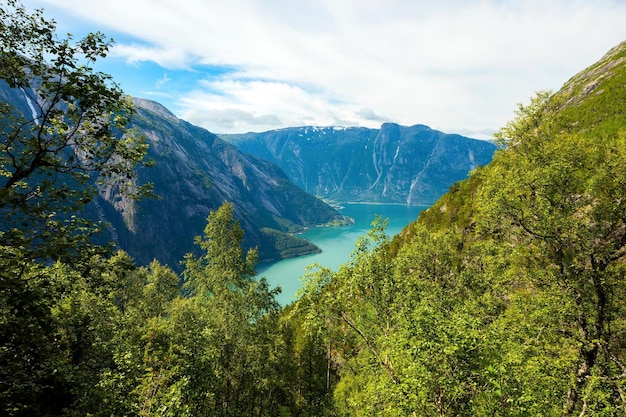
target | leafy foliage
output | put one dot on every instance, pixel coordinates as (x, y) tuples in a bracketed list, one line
[(286, 245), (506, 298), (71, 132)]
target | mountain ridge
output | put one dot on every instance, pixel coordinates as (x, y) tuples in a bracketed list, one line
[(510, 288), (411, 165), (197, 172)]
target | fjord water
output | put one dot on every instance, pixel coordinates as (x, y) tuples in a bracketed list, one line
[(336, 243)]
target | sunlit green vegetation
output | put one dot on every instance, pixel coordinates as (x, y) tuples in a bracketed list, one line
[(506, 298)]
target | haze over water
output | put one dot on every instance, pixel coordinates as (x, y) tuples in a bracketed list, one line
[(336, 243)]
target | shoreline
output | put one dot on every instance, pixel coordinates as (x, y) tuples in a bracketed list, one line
[(380, 203), (340, 204)]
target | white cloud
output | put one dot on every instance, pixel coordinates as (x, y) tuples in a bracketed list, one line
[(455, 65), (162, 81), (231, 119), (267, 104), (134, 54), (369, 114)]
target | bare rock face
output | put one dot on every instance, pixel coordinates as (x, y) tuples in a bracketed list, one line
[(582, 85), (271, 180), (394, 164), (195, 172)]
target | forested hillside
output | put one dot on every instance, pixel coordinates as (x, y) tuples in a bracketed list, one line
[(84, 331), (506, 298)]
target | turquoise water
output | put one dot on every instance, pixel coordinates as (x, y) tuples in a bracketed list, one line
[(336, 243)]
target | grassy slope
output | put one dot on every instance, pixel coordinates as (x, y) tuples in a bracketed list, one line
[(592, 102)]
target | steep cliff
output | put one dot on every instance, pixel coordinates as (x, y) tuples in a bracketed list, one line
[(394, 164), (194, 173)]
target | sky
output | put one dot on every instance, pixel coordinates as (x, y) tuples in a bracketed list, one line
[(235, 66)]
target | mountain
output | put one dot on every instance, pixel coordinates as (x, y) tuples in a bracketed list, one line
[(394, 164), (590, 103), (507, 296), (194, 173)]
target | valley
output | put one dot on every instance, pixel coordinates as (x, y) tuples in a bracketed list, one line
[(336, 244), (196, 171), (411, 165), (141, 255)]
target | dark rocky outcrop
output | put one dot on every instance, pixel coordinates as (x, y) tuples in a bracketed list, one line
[(195, 172)]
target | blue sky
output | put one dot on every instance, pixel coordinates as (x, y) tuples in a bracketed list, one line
[(460, 66)]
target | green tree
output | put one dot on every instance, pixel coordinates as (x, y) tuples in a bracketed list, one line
[(68, 136), (161, 286), (223, 270), (353, 310), (557, 198), (28, 356), (61, 136), (218, 350), (63, 338), (309, 373), (238, 308)]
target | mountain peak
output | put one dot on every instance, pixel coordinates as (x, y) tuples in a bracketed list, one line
[(590, 80), (154, 107), (394, 164)]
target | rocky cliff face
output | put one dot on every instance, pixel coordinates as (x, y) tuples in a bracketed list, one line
[(394, 164), (195, 172)]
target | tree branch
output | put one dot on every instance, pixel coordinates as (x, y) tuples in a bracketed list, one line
[(385, 363)]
